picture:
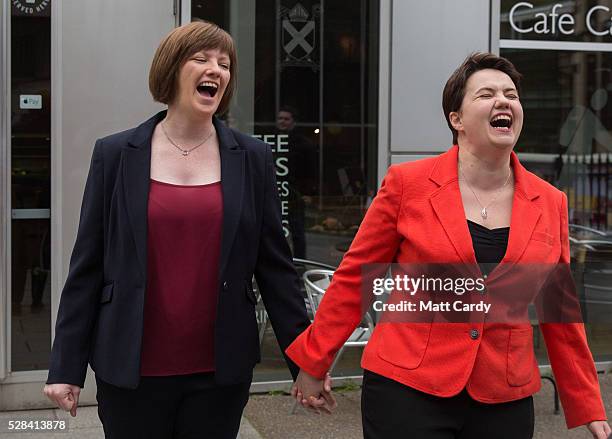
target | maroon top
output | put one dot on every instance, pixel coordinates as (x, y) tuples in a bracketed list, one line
[(184, 243)]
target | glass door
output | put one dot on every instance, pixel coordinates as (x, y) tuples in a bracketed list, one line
[(30, 184)]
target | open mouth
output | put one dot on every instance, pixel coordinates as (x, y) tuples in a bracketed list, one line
[(501, 122), (207, 89)]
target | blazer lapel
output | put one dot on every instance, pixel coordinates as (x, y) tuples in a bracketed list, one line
[(449, 209), (525, 216), (232, 184), (447, 204), (136, 176)]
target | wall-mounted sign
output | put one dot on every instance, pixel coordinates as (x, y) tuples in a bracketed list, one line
[(299, 35), (30, 102), (31, 7), (524, 18)]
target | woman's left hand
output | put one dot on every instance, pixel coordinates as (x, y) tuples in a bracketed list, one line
[(314, 394), (599, 429)]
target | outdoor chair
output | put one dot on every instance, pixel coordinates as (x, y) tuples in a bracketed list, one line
[(316, 282)]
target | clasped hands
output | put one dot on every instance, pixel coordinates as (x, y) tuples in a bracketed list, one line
[(314, 394), (599, 429)]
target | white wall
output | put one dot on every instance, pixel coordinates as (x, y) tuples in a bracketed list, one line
[(101, 53), (429, 41), (102, 58)]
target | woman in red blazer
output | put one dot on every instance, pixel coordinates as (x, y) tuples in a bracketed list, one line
[(473, 204)]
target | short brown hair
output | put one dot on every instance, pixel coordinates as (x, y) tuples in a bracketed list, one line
[(176, 48), (454, 90)]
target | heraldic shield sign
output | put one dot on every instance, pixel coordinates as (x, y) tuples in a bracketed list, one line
[(299, 28)]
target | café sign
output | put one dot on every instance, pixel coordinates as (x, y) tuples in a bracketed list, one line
[(554, 21), (30, 7)]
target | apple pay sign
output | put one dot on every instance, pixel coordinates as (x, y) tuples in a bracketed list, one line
[(30, 102)]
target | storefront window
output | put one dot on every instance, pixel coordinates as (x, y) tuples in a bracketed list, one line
[(308, 86), (30, 184), (564, 51)]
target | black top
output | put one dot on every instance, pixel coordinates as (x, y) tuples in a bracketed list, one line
[(489, 245)]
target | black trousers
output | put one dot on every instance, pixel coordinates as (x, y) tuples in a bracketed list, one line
[(173, 407), (391, 410)]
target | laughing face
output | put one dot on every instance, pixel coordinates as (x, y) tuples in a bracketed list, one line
[(202, 82), (491, 112)]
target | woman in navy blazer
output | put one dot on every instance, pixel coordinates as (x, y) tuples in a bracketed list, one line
[(178, 215)]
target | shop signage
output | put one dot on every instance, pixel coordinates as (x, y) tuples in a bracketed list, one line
[(30, 102), (280, 147), (598, 20), (30, 7)]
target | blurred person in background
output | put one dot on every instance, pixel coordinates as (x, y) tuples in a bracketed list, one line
[(302, 170)]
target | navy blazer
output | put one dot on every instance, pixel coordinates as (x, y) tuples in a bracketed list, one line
[(101, 311)]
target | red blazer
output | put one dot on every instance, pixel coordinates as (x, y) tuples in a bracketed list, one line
[(418, 216)]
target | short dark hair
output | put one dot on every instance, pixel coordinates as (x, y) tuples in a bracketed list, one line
[(176, 48), (289, 109), (454, 90)]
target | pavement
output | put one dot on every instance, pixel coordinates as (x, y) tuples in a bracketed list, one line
[(85, 425), (267, 416)]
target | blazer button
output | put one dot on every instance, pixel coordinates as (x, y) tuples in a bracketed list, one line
[(225, 286), (474, 334)]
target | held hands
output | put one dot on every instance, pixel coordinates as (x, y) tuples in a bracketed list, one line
[(314, 394), (66, 396), (599, 429)]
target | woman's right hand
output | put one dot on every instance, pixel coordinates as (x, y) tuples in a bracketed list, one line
[(66, 396), (314, 394)]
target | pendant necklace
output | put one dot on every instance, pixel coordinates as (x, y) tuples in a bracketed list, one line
[(484, 213), (185, 152)]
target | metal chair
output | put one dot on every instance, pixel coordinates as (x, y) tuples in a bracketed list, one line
[(262, 316), (309, 263), (316, 282)]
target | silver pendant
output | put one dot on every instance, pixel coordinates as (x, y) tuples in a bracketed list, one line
[(483, 213), (185, 152)]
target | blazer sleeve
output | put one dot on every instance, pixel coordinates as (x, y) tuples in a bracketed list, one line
[(340, 311), (274, 271), (570, 357), (78, 303)]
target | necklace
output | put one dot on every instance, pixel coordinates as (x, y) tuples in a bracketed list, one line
[(183, 151), (483, 213)]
